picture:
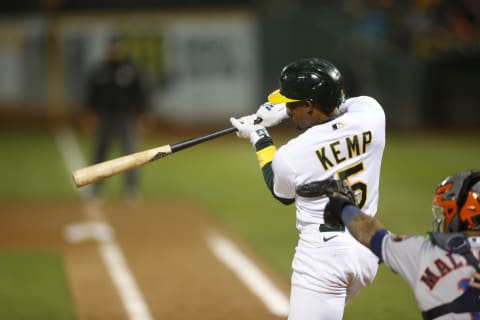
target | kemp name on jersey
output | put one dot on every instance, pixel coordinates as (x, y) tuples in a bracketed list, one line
[(355, 145)]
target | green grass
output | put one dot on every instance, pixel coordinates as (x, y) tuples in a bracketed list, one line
[(31, 168), (223, 178), (34, 286)]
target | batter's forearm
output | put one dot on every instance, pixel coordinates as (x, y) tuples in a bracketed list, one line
[(265, 152), (268, 176)]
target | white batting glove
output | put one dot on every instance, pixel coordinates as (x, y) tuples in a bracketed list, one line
[(247, 128), (272, 114)]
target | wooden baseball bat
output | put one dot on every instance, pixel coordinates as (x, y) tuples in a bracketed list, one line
[(102, 170)]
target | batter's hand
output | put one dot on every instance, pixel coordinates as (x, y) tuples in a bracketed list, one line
[(340, 194), (248, 128), (272, 114)]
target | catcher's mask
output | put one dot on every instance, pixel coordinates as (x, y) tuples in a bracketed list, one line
[(456, 204)]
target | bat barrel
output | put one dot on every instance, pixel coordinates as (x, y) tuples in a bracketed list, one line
[(102, 170), (109, 168)]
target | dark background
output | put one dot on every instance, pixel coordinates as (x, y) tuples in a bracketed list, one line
[(420, 59)]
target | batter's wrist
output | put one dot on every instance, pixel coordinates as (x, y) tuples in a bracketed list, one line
[(258, 134), (263, 143)]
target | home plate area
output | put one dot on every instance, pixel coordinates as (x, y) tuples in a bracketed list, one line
[(153, 260)]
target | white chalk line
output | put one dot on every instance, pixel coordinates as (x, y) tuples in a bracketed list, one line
[(225, 250), (251, 276), (110, 252)]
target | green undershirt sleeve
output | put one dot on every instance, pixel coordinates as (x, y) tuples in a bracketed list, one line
[(267, 171)]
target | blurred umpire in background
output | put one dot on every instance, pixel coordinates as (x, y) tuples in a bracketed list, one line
[(440, 268), (117, 94)]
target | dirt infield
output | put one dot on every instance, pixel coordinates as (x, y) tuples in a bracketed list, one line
[(165, 247)]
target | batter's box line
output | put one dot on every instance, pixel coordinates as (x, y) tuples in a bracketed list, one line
[(254, 279)]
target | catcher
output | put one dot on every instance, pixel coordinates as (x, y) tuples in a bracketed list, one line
[(440, 269)]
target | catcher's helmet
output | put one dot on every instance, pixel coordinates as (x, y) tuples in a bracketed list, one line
[(456, 203), (311, 79)]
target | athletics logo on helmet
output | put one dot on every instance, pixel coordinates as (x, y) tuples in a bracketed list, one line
[(456, 203), (311, 79)]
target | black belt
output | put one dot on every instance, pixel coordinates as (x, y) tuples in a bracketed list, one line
[(325, 228)]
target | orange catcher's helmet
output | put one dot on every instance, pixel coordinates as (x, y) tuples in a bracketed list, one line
[(456, 204)]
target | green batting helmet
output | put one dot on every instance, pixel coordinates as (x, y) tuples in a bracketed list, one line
[(311, 79)]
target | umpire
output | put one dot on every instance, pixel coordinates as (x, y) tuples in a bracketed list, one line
[(116, 93)]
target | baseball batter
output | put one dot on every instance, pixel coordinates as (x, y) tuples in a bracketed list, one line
[(341, 138), (439, 268)]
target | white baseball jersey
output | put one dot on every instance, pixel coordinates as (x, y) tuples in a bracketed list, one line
[(435, 275), (329, 267), (347, 147)]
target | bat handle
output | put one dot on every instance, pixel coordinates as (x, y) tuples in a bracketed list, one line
[(193, 141)]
